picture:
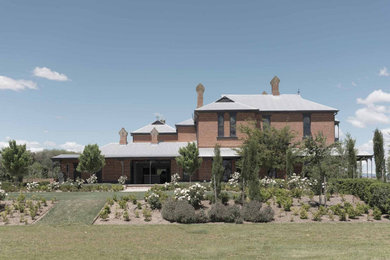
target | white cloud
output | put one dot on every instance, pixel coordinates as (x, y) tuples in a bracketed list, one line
[(372, 114), (354, 83), (377, 96), (16, 84), (35, 146), (72, 146), (383, 72), (47, 73)]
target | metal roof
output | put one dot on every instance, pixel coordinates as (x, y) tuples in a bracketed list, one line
[(66, 156), (284, 102), (225, 152), (188, 122), (161, 128)]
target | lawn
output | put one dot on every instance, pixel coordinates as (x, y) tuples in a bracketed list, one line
[(268, 241)]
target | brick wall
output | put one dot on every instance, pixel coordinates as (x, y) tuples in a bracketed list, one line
[(186, 133), (113, 169), (142, 138)]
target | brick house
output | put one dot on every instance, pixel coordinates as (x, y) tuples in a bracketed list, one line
[(150, 156)]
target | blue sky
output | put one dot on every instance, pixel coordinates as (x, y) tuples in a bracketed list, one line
[(120, 62)]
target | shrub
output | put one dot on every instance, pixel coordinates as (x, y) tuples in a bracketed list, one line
[(122, 204), (296, 193), (224, 197), (154, 200), (122, 180), (4, 217), (202, 217), (126, 216), (194, 194), (303, 213), (181, 212), (168, 210), (287, 203), (2, 193), (357, 187), (33, 212), (352, 214), (379, 196), (222, 213), (184, 212), (147, 214), (253, 212), (342, 215), (317, 216), (92, 179), (377, 214)]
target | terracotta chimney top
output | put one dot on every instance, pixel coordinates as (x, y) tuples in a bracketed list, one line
[(200, 90), (154, 134), (264, 93), (275, 86), (123, 136)]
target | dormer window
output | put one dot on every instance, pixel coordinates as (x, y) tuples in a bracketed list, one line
[(220, 125)]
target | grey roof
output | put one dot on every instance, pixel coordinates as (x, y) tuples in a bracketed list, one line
[(66, 156), (135, 150), (225, 152), (163, 149), (187, 122), (161, 128), (284, 102)]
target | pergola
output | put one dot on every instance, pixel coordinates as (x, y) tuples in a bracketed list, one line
[(362, 156)]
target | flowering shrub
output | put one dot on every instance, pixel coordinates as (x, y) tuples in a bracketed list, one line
[(92, 179), (32, 186), (53, 186), (2, 193), (154, 200), (173, 184), (122, 180), (194, 194), (296, 181), (269, 182), (234, 181), (79, 182)]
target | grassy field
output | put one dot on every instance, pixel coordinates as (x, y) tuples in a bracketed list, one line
[(267, 241), (74, 207)]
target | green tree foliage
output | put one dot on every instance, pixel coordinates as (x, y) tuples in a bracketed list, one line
[(43, 166), (189, 159), (319, 164), (351, 156), (16, 159), (250, 164), (91, 160), (217, 172), (379, 154)]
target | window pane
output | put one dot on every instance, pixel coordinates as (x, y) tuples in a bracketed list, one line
[(266, 121), (232, 124), (306, 126), (220, 125)]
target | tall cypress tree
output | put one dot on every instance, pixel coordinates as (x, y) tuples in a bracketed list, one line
[(379, 154), (217, 172), (351, 155)]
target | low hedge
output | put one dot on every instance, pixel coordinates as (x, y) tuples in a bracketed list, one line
[(373, 192)]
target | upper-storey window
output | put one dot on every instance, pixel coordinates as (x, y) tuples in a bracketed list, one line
[(220, 125), (233, 124), (266, 121), (306, 125)]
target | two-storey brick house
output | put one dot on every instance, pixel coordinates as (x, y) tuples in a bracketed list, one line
[(150, 157)]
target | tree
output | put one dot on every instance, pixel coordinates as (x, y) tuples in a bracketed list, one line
[(189, 159), (379, 155), (16, 159), (351, 156), (250, 165), (217, 171), (319, 161), (91, 160)]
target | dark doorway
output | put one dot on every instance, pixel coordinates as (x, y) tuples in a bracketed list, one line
[(228, 168), (150, 172)]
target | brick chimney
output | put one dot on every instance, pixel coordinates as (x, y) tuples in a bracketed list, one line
[(275, 86), (200, 90), (154, 134), (123, 136)]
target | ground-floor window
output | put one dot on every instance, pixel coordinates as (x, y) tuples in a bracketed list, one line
[(228, 168)]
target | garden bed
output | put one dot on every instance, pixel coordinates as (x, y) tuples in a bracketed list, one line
[(22, 211)]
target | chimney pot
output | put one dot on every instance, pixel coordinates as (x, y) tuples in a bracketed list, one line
[(275, 86), (200, 90), (123, 136)]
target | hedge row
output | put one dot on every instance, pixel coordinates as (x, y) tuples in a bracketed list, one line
[(373, 192)]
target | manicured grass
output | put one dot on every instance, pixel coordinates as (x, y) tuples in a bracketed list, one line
[(267, 241), (74, 207)]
